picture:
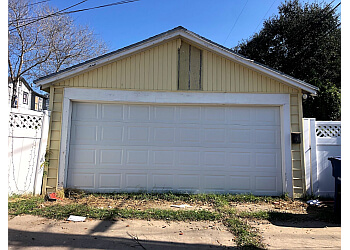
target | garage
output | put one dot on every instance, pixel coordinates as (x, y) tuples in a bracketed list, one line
[(175, 112), (178, 148)]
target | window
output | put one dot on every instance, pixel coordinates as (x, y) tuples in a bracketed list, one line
[(25, 98), (36, 103)]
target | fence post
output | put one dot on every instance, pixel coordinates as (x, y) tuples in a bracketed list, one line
[(309, 133), (313, 157)]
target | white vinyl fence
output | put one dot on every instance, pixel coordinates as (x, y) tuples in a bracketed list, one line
[(27, 140), (322, 139)]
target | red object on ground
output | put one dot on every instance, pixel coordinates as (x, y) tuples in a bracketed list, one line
[(52, 196)]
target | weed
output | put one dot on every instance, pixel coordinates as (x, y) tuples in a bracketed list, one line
[(245, 236)]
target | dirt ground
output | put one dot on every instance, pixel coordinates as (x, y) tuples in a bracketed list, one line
[(29, 232)]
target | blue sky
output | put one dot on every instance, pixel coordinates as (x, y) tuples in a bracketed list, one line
[(226, 22)]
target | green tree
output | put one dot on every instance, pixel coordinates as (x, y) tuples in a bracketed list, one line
[(303, 41)]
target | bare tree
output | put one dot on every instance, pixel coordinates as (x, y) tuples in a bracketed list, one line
[(41, 40)]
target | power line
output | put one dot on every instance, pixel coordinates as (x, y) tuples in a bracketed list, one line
[(97, 7), (264, 16), (235, 22), (70, 12), (48, 15), (38, 2)]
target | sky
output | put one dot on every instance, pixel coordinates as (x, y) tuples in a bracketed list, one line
[(226, 22)]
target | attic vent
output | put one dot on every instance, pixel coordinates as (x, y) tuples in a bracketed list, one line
[(189, 67)]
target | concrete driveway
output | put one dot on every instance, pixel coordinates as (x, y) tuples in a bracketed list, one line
[(31, 232)]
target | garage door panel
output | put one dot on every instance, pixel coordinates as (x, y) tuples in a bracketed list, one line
[(136, 181), (189, 114), (85, 111), (189, 158), (164, 135), (189, 136), (266, 160), (239, 159), (239, 136), (112, 112), (266, 183), (81, 180), (138, 134), (239, 115), (163, 157), (109, 180), (213, 158), (162, 182), (213, 115), (137, 157), (164, 114), (266, 116), (267, 137), (214, 183), (239, 183), (139, 113), (178, 148), (111, 156), (83, 156), (188, 182), (214, 135), (84, 133), (112, 133)]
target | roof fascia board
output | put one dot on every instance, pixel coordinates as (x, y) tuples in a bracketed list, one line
[(106, 60), (249, 63)]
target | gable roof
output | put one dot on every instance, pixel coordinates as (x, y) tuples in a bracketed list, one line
[(178, 32)]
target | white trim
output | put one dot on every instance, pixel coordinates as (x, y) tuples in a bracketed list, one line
[(192, 38), (93, 95)]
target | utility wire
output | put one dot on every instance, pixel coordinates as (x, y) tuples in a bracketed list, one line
[(74, 11), (235, 22), (264, 16), (97, 7), (50, 15), (38, 2)]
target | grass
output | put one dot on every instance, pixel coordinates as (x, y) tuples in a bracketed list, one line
[(245, 236)]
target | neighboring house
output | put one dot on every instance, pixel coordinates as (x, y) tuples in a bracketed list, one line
[(175, 112), (27, 98)]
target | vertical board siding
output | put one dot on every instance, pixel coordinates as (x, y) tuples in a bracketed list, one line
[(184, 65), (216, 70), (156, 69)]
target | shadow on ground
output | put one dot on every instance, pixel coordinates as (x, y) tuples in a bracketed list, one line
[(21, 239), (316, 217)]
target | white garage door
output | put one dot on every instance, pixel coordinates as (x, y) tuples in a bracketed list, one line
[(123, 147)]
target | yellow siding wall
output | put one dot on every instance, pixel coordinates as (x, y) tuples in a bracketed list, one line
[(223, 75), (155, 69), (152, 69)]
